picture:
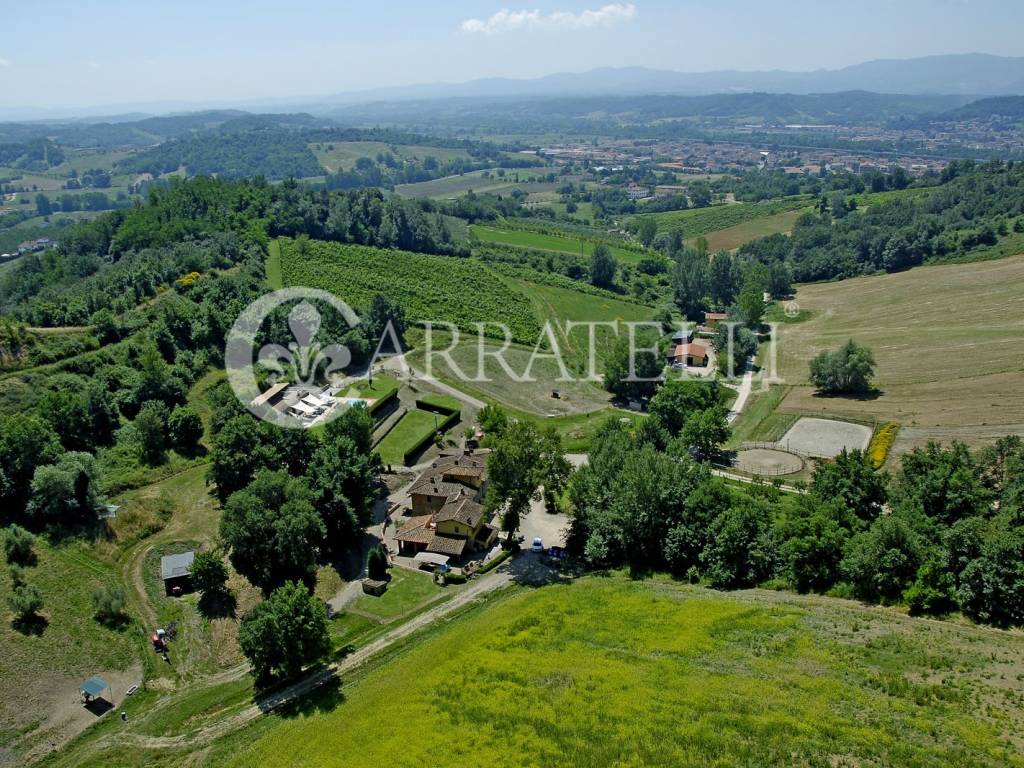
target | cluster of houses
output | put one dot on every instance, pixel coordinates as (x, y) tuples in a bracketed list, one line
[(29, 246), (447, 516)]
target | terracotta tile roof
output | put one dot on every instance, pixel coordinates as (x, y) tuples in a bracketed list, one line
[(433, 486), (420, 530), (442, 479), (447, 545), (476, 459), (463, 471), (696, 349), (417, 530), (462, 510)]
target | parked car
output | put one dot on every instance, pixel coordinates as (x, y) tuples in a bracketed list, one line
[(538, 545)]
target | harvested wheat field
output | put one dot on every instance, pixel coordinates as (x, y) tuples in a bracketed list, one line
[(948, 341)]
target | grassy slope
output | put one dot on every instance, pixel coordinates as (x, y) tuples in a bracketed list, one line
[(735, 236), (947, 341), (611, 672), (36, 668), (437, 288), (275, 277), (547, 242), (345, 153), (455, 186), (697, 222)]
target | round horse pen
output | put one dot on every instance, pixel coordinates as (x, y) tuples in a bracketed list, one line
[(767, 462)]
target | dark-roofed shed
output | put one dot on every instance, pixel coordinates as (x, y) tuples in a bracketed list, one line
[(175, 572)]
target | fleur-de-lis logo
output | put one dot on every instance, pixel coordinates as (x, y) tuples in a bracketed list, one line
[(307, 362)]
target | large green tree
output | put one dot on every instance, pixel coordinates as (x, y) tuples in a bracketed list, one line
[(851, 480), (284, 633), (629, 372), (844, 371), (603, 266), (272, 532), (64, 493)]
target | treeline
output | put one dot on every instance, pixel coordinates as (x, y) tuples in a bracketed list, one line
[(80, 428), (274, 154), (945, 534), (387, 170), (275, 148), (973, 205), (32, 155), (85, 201), (757, 185), (124, 256)]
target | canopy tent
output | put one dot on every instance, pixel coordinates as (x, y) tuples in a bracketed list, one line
[(431, 558), (318, 401), (305, 410), (93, 688)]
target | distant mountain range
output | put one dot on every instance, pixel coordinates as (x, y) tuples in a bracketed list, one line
[(973, 74)]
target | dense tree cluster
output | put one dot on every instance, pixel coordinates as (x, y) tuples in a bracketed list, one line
[(273, 154), (945, 534), (973, 205), (291, 499), (38, 154), (122, 258), (388, 170)]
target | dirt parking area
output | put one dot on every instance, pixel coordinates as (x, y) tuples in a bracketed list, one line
[(825, 437)]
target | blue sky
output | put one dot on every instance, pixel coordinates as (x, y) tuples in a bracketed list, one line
[(77, 53)]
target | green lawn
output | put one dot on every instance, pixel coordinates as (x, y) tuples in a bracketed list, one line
[(610, 672), (275, 278), (415, 427), (380, 388), (455, 186), (759, 422), (446, 402), (407, 591)]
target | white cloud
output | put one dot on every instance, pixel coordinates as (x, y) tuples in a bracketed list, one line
[(512, 21), (4, 62)]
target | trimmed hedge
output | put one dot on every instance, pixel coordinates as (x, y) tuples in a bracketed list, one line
[(450, 417), (490, 565), (443, 404)]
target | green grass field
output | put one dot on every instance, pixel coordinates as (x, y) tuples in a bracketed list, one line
[(407, 591), (344, 154), (544, 241), (611, 672), (733, 237), (455, 186), (415, 427), (699, 222), (275, 278), (40, 673)]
